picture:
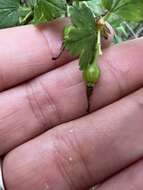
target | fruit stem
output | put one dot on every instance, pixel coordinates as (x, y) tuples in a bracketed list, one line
[(89, 92)]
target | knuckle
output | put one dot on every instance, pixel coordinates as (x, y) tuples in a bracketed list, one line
[(3, 80), (70, 161), (41, 103), (114, 75), (50, 49)]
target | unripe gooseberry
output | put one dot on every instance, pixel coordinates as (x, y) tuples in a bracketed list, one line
[(91, 74)]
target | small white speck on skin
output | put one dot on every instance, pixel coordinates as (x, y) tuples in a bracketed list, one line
[(71, 130), (70, 159), (94, 188), (46, 187)]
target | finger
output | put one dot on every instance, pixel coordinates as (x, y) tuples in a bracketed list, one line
[(106, 42), (27, 51), (60, 95), (81, 153), (130, 178), (121, 69)]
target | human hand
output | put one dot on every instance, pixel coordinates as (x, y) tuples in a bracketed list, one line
[(52, 143)]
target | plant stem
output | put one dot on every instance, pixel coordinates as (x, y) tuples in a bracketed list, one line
[(26, 18), (107, 15), (98, 45)]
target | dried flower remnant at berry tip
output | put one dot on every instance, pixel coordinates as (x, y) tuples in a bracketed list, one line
[(104, 27)]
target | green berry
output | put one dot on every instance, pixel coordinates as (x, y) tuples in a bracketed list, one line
[(91, 74)]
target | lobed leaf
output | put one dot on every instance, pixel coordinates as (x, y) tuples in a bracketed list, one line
[(47, 10), (129, 10), (80, 38), (10, 11)]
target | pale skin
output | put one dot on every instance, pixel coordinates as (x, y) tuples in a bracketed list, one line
[(52, 143)]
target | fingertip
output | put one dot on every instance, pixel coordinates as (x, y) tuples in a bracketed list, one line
[(53, 33), (29, 50)]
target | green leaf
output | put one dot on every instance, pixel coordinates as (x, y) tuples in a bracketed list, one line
[(9, 13), (47, 10), (31, 2), (107, 4), (80, 37), (96, 7), (129, 10)]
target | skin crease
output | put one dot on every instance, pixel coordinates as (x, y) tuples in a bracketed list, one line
[(130, 179), (79, 150)]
